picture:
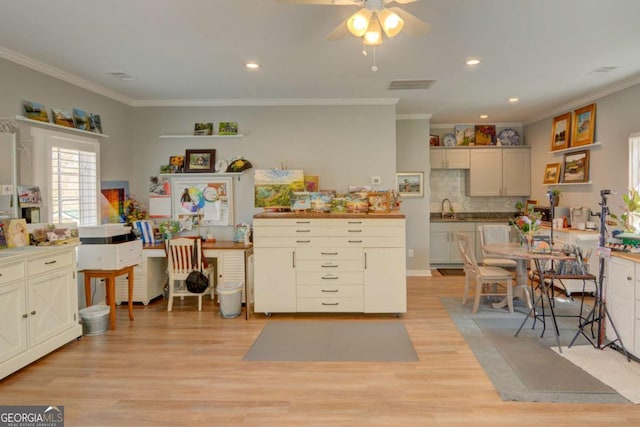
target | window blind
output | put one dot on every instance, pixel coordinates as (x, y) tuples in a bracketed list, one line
[(74, 186)]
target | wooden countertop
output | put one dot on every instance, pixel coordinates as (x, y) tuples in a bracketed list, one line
[(284, 215), (635, 257)]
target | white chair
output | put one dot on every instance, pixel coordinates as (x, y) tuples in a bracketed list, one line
[(496, 233), (490, 280), (180, 255)]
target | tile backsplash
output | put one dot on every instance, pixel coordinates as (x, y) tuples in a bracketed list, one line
[(450, 184)]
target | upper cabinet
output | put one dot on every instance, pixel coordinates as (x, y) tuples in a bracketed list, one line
[(449, 158), (499, 172)]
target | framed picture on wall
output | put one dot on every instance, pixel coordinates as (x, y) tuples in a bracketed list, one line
[(200, 161), (584, 122), (410, 184), (552, 173), (561, 132), (576, 167)]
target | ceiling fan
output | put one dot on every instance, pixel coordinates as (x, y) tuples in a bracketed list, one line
[(373, 18)]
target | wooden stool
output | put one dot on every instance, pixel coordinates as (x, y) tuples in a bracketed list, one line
[(109, 277)]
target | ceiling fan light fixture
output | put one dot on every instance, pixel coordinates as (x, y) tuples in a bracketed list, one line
[(359, 22), (373, 36), (392, 24)]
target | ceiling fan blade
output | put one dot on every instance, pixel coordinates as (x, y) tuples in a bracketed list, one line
[(324, 2), (412, 25), (339, 32)]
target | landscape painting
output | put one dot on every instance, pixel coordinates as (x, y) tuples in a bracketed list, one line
[(275, 187)]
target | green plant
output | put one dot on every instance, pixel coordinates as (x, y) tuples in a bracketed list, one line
[(632, 211), (555, 192), (519, 206)]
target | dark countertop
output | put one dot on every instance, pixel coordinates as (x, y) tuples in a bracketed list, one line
[(474, 217)]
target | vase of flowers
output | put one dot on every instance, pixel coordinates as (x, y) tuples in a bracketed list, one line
[(169, 228), (526, 226), (133, 210)]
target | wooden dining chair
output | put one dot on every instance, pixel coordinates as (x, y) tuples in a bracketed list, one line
[(496, 233), (180, 262), (489, 280)]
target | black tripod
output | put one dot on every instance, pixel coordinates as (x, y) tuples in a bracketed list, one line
[(599, 312)]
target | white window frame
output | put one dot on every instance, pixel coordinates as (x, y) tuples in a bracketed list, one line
[(43, 142), (634, 166)]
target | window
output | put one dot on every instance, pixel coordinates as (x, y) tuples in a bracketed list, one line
[(67, 169), (73, 186), (634, 169)]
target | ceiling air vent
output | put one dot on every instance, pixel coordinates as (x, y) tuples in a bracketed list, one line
[(603, 70), (122, 76), (410, 84)]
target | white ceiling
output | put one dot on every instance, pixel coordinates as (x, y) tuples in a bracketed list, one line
[(192, 52)]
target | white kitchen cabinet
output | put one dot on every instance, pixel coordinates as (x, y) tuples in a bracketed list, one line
[(443, 246), (149, 278), (348, 263), (621, 301), (499, 172), (449, 158), (38, 304)]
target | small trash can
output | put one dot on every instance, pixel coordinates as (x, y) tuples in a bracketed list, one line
[(95, 319), (230, 297)]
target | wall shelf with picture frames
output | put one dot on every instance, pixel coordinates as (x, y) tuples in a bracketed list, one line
[(50, 125), (199, 136), (578, 148)]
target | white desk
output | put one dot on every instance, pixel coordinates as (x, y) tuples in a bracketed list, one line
[(232, 261)]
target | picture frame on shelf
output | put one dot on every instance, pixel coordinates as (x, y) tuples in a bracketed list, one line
[(584, 122), (528, 205), (410, 184), (62, 118), (35, 111), (200, 129), (379, 202), (95, 123), (228, 128), (575, 167), (177, 164), (81, 119), (200, 161), (465, 134), (552, 173), (561, 132), (434, 140), (485, 135)]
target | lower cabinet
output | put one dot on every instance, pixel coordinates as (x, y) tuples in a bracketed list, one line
[(149, 278), (622, 293), (348, 264), (38, 304), (443, 246)]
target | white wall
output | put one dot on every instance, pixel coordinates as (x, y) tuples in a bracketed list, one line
[(343, 145), (413, 156), (617, 116)]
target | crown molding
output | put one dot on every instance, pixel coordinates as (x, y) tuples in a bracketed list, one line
[(498, 124), (260, 102), (61, 75), (592, 97), (426, 116)]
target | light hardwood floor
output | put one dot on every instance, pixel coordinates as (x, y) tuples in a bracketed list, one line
[(185, 368)]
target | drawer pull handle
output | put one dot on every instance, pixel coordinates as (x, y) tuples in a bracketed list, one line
[(303, 241), (329, 277), (355, 241), (329, 290), (328, 253), (329, 265), (330, 303), (303, 231), (303, 222), (354, 222), (33, 313), (50, 262), (24, 316), (355, 231), (629, 278)]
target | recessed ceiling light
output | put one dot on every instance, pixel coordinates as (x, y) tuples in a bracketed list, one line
[(514, 99), (472, 61), (484, 116), (252, 65)]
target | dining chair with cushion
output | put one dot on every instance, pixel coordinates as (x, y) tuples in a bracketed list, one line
[(489, 280), (184, 255), (495, 233)]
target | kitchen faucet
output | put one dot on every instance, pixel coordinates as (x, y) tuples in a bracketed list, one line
[(451, 211)]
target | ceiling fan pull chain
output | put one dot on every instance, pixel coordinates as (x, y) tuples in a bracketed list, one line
[(374, 67)]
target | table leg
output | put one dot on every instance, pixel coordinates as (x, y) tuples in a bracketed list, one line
[(87, 290), (110, 292), (130, 280)]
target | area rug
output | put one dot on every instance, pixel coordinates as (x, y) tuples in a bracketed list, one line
[(451, 271), (335, 341), (602, 364), (525, 368)]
